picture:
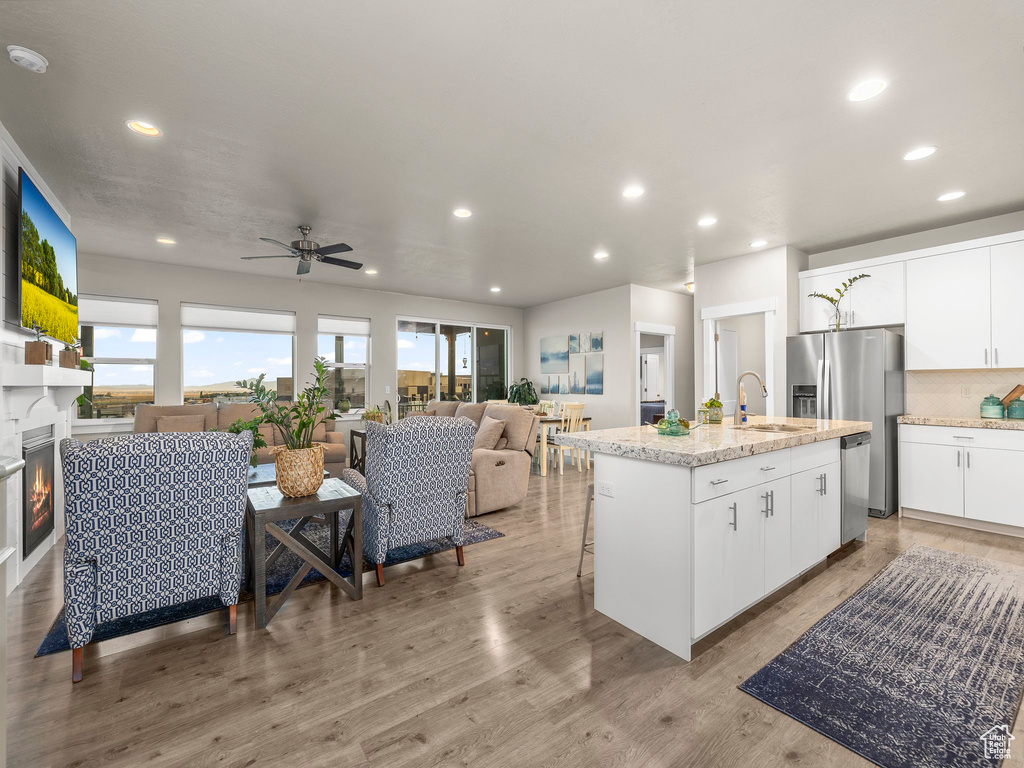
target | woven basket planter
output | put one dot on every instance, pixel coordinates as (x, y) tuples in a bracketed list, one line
[(299, 472)]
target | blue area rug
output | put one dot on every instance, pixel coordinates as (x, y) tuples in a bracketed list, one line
[(278, 577), (923, 667)]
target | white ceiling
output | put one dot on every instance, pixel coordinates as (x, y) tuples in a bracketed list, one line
[(372, 121)]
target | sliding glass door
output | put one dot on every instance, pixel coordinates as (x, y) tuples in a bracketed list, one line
[(449, 361)]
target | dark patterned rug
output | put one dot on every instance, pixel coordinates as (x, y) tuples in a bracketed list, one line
[(277, 577), (923, 666)]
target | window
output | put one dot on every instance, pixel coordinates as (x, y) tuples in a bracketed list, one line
[(222, 345), (345, 342), (448, 361), (119, 339)]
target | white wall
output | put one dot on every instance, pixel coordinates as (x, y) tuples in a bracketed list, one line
[(770, 274), (615, 311), (995, 225), (171, 285)]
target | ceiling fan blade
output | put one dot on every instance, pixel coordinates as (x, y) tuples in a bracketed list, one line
[(278, 242), (271, 256), (336, 248), (342, 262), (303, 267)]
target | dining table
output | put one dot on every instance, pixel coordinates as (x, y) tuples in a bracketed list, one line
[(553, 421)]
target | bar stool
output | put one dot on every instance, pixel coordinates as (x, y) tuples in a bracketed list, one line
[(586, 524)]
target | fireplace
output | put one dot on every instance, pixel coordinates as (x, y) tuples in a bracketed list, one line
[(37, 488)]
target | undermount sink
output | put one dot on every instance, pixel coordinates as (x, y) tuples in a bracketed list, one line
[(772, 428)]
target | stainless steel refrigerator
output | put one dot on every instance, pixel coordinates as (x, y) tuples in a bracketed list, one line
[(854, 375)]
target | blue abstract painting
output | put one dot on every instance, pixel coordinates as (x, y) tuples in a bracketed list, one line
[(595, 373), (554, 354), (597, 341)]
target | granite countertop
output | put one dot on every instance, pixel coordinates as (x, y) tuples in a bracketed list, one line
[(956, 421), (708, 443)]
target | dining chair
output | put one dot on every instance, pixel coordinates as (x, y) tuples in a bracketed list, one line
[(572, 421), (586, 524)]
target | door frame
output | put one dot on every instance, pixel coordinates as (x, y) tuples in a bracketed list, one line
[(668, 332), (711, 315)]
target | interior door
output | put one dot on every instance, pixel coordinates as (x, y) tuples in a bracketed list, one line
[(778, 537), (1007, 278), (804, 504), (948, 319), (830, 510), (991, 485), (727, 370), (932, 478)]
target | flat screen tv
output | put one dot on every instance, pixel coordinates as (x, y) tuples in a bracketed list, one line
[(49, 265)]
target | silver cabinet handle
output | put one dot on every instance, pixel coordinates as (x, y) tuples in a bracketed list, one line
[(824, 482), (986, 357), (772, 495), (821, 483), (962, 437), (734, 521), (767, 469), (765, 497), (718, 482), (968, 459), (995, 356), (958, 459)]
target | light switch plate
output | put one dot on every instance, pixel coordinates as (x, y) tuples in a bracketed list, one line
[(965, 391), (387, 390)]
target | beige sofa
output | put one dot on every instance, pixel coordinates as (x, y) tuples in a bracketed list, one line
[(498, 478), (223, 415)]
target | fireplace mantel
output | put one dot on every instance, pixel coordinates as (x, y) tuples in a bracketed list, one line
[(29, 384)]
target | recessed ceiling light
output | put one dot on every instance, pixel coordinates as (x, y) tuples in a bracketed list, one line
[(690, 286), (463, 213), (951, 196), (28, 59), (495, 289), (633, 190), (166, 241), (920, 153), (758, 243), (868, 89), (707, 221), (143, 128), (371, 271), (601, 255)]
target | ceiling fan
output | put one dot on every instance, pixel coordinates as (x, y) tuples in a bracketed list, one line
[(308, 251)]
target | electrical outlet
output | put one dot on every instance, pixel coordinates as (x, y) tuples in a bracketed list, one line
[(387, 390), (606, 489), (965, 391)]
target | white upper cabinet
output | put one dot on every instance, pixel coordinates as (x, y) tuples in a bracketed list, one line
[(872, 302), (1007, 278), (877, 300), (949, 324), (817, 314)]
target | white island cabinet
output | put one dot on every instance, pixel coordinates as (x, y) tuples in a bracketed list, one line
[(691, 531)]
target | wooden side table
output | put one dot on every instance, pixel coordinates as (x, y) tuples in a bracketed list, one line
[(357, 450), (266, 507)]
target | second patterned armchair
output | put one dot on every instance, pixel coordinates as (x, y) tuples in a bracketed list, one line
[(417, 478)]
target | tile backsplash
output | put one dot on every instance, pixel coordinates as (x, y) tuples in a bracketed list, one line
[(939, 393)]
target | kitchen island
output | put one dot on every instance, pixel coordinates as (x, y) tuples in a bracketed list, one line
[(691, 531)]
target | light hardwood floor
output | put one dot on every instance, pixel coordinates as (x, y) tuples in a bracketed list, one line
[(501, 663)]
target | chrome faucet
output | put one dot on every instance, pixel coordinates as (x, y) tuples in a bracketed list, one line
[(737, 416)]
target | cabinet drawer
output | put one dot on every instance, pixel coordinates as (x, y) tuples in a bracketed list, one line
[(813, 455), (714, 480), (1004, 439)]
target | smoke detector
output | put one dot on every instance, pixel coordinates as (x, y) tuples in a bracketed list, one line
[(28, 59)]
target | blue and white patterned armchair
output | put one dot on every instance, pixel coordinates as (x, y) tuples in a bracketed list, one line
[(417, 477), (152, 520)]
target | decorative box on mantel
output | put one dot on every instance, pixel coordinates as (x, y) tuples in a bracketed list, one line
[(28, 384)]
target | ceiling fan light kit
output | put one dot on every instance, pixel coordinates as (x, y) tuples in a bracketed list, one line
[(307, 251)]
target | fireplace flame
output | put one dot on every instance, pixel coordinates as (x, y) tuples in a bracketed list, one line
[(40, 499)]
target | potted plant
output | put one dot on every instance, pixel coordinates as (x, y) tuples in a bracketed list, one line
[(714, 406), (522, 393), (71, 355), (299, 461), (241, 426), (835, 300), (38, 352)]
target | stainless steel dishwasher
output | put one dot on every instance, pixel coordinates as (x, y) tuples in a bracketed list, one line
[(855, 459)]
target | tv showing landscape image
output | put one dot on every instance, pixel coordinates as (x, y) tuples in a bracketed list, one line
[(49, 266)]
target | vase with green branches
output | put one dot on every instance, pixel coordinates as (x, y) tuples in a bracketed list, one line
[(836, 299), (299, 460)]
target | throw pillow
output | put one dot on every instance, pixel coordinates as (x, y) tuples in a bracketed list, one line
[(502, 444), (488, 434), (419, 414), (180, 423)]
